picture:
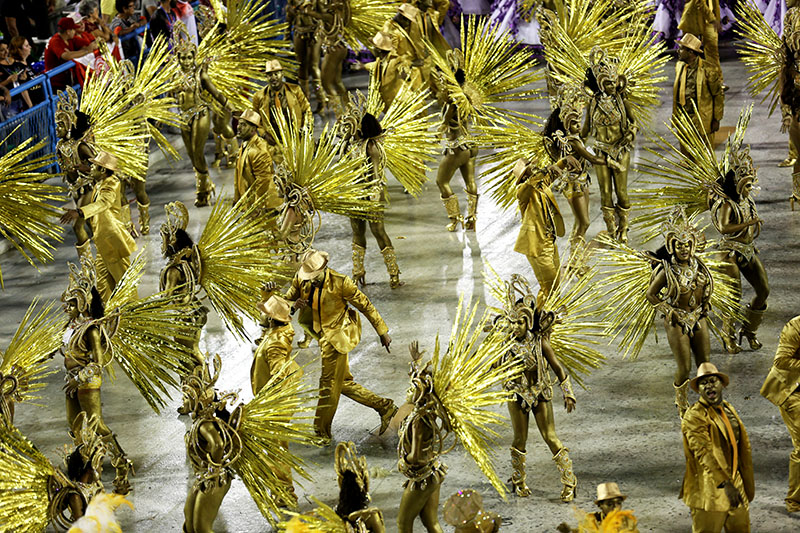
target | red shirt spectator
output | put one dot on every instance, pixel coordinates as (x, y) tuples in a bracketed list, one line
[(60, 50)]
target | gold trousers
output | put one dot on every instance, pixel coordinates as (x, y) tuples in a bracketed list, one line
[(735, 520), (545, 268), (108, 274), (790, 411), (336, 380)]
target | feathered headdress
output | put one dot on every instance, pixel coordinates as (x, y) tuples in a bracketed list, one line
[(678, 228), (81, 282)]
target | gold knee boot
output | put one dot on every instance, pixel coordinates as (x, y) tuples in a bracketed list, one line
[(219, 150), (729, 338), (84, 250), (359, 273), (795, 197), (752, 319), (390, 258), (453, 212), (568, 479), (322, 98), (609, 217), (120, 462), (472, 211), (682, 397), (622, 228), (204, 189), (144, 218), (518, 474)]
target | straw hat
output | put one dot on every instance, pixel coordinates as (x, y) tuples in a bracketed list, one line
[(692, 43), (105, 160), (519, 168), (608, 491), (273, 65), (277, 308), (708, 369), (382, 41), (251, 116), (314, 262), (408, 11)]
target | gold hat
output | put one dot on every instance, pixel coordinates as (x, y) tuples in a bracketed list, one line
[(608, 491), (708, 369), (105, 160), (278, 309), (251, 116), (519, 168), (273, 65), (408, 11), (313, 263), (692, 43), (383, 41), (462, 507)]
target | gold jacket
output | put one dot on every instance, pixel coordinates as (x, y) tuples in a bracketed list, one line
[(541, 218), (389, 82), (404, 54), (621, 521), (784, 377), (105, 216), (254, 170), (710, 98), (699, 16), (296, 101), (276, 348), (339, 324), (709, 459)]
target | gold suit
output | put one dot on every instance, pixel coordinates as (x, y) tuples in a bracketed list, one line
[(617, 521), (541, 223), (709, 461), (706, 93), (254, 171), (337, 327), (389, 82), (701, 18), (404, 54), (782, 387), (111, 237)]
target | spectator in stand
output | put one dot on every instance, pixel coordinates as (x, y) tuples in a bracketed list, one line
[(60, 49), (20, 50), (92, 23), (125, 23), (162, 21), (11, 106)]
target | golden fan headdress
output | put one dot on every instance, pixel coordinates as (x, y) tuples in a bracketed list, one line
[(314, 169), (28, 218), (761, 50), (280, 413), (24, 363), (463, 379), (236, 49), (146, 343), (496, 71), (238, 256)]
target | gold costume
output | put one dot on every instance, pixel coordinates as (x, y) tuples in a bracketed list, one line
[(698, 91), (541, 223), (403, 57), (289, 100), (617, 521), (702, 18), (254, 174), (111, 236), (329, 318), (782, 387)]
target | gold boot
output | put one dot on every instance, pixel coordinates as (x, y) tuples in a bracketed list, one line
[(472, 210), (795, 197), (729, 338), (453, 212), (622, 228), (752, 319), (390, 258), (120, 462), (359, 273), (518, 474), (204, 189), (609, 217), (84, 250), (322, 98), (219, 150), (682, 397), (144, 218), (568, 479)]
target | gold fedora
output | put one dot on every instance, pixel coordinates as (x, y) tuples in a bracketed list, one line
[(708, 369), (314, 262), (608, 491), (273, 65), (692, 43), (277, 308), (105, 160), (251, 116), (408, 11), (383, 41)]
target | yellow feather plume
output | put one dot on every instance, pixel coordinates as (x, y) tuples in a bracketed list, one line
[(762, 53), (366, 19), (323, 519), (24, 477), (99, 517)]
